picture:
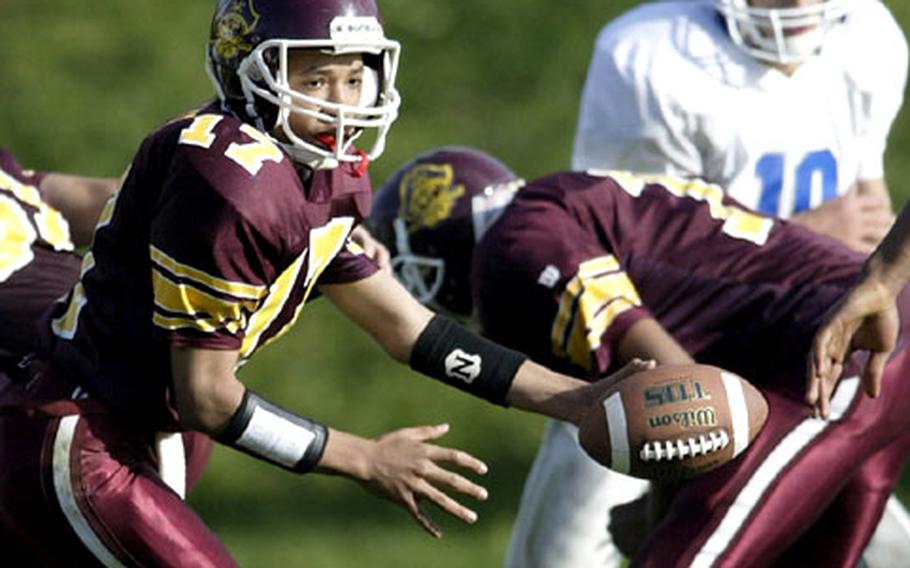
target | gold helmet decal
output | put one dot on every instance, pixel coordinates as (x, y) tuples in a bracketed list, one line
[(232, 29), (427, 195)]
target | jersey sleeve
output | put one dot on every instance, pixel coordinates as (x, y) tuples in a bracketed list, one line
[(209, 272), (566, 304), (627, 120), (349, 265)]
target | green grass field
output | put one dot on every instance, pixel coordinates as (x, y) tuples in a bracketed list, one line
[(85, 80)]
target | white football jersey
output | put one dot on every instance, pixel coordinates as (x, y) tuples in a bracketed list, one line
[(669, 92)]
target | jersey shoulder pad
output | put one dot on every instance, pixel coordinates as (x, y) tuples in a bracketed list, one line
[(239, 162)]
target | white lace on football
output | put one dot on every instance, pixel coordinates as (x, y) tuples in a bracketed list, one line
[(682, 448)]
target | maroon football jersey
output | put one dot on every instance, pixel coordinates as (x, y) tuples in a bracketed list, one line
[(37, 265), (577, 258), (213, 242)]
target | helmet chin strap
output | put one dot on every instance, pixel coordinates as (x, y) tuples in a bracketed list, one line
[(307, 157)]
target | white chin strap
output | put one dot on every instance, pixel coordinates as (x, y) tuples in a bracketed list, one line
[(782, 35)]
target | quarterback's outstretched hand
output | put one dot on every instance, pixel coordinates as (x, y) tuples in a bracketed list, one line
[(865, 319), (405, 469)]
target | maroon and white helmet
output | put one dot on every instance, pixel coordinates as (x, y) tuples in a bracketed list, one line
[(431, 212), (247, 60)]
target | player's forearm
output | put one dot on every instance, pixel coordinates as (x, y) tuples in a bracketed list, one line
[(346, 454), (80, 199), (647, 339), (537, 389), (889, 266), (206, 392)]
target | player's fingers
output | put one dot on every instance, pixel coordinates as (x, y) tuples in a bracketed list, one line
[(457, 457), (862, 243), (828, 383), (439, 475), (871, 199), (812, 388), (819, 364), (447, 504), (634, 366), (872, 374), (412, 504), (422, 433), (875, 230), (381, 257)]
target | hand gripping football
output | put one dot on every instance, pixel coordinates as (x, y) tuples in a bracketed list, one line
[(673, 422)]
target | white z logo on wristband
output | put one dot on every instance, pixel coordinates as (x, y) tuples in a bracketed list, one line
[(462, 366)]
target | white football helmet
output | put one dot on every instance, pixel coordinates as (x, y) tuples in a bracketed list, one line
[(782, 35)]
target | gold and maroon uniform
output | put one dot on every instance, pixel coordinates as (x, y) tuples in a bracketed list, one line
[(214, 241), (37, 263), (576, 259)]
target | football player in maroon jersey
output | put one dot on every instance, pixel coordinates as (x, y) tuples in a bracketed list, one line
[(226, 222), (44, 216), (583, 271)]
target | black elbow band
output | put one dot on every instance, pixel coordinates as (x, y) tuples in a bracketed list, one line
[(459, 357), (273, 434)]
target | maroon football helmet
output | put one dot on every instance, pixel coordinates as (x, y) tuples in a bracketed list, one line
[(431, 212), (247, 60)]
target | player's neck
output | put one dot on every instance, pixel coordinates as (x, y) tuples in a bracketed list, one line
[(787, 69)]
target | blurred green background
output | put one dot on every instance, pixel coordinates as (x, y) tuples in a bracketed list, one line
[(85, 80)]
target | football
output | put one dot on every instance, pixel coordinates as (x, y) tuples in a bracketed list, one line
[(673, 422)]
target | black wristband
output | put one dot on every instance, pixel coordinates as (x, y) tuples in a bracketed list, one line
[(271, 433), (451, 353)]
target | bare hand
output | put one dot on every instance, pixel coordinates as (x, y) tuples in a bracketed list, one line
[(405, 469), (596, 390), (865, 319), (373, 248), (859, 219)]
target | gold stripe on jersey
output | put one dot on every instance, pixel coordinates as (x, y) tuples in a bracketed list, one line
[(574, 288), (28, 194), (107, 213), (195, 308), (16, 237), (325, 243), (592, 300), (65, 326), (738, 222), (240, 290), (53, 228), (278, 295), (51, 224)]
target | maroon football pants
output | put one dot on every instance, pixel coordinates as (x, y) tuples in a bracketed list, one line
[(80, 488), (807, 490)]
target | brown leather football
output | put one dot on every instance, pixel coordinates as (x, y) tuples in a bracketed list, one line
[(673, 422)]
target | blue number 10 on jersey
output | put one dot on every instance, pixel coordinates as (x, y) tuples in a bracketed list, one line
[(771, 167)]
